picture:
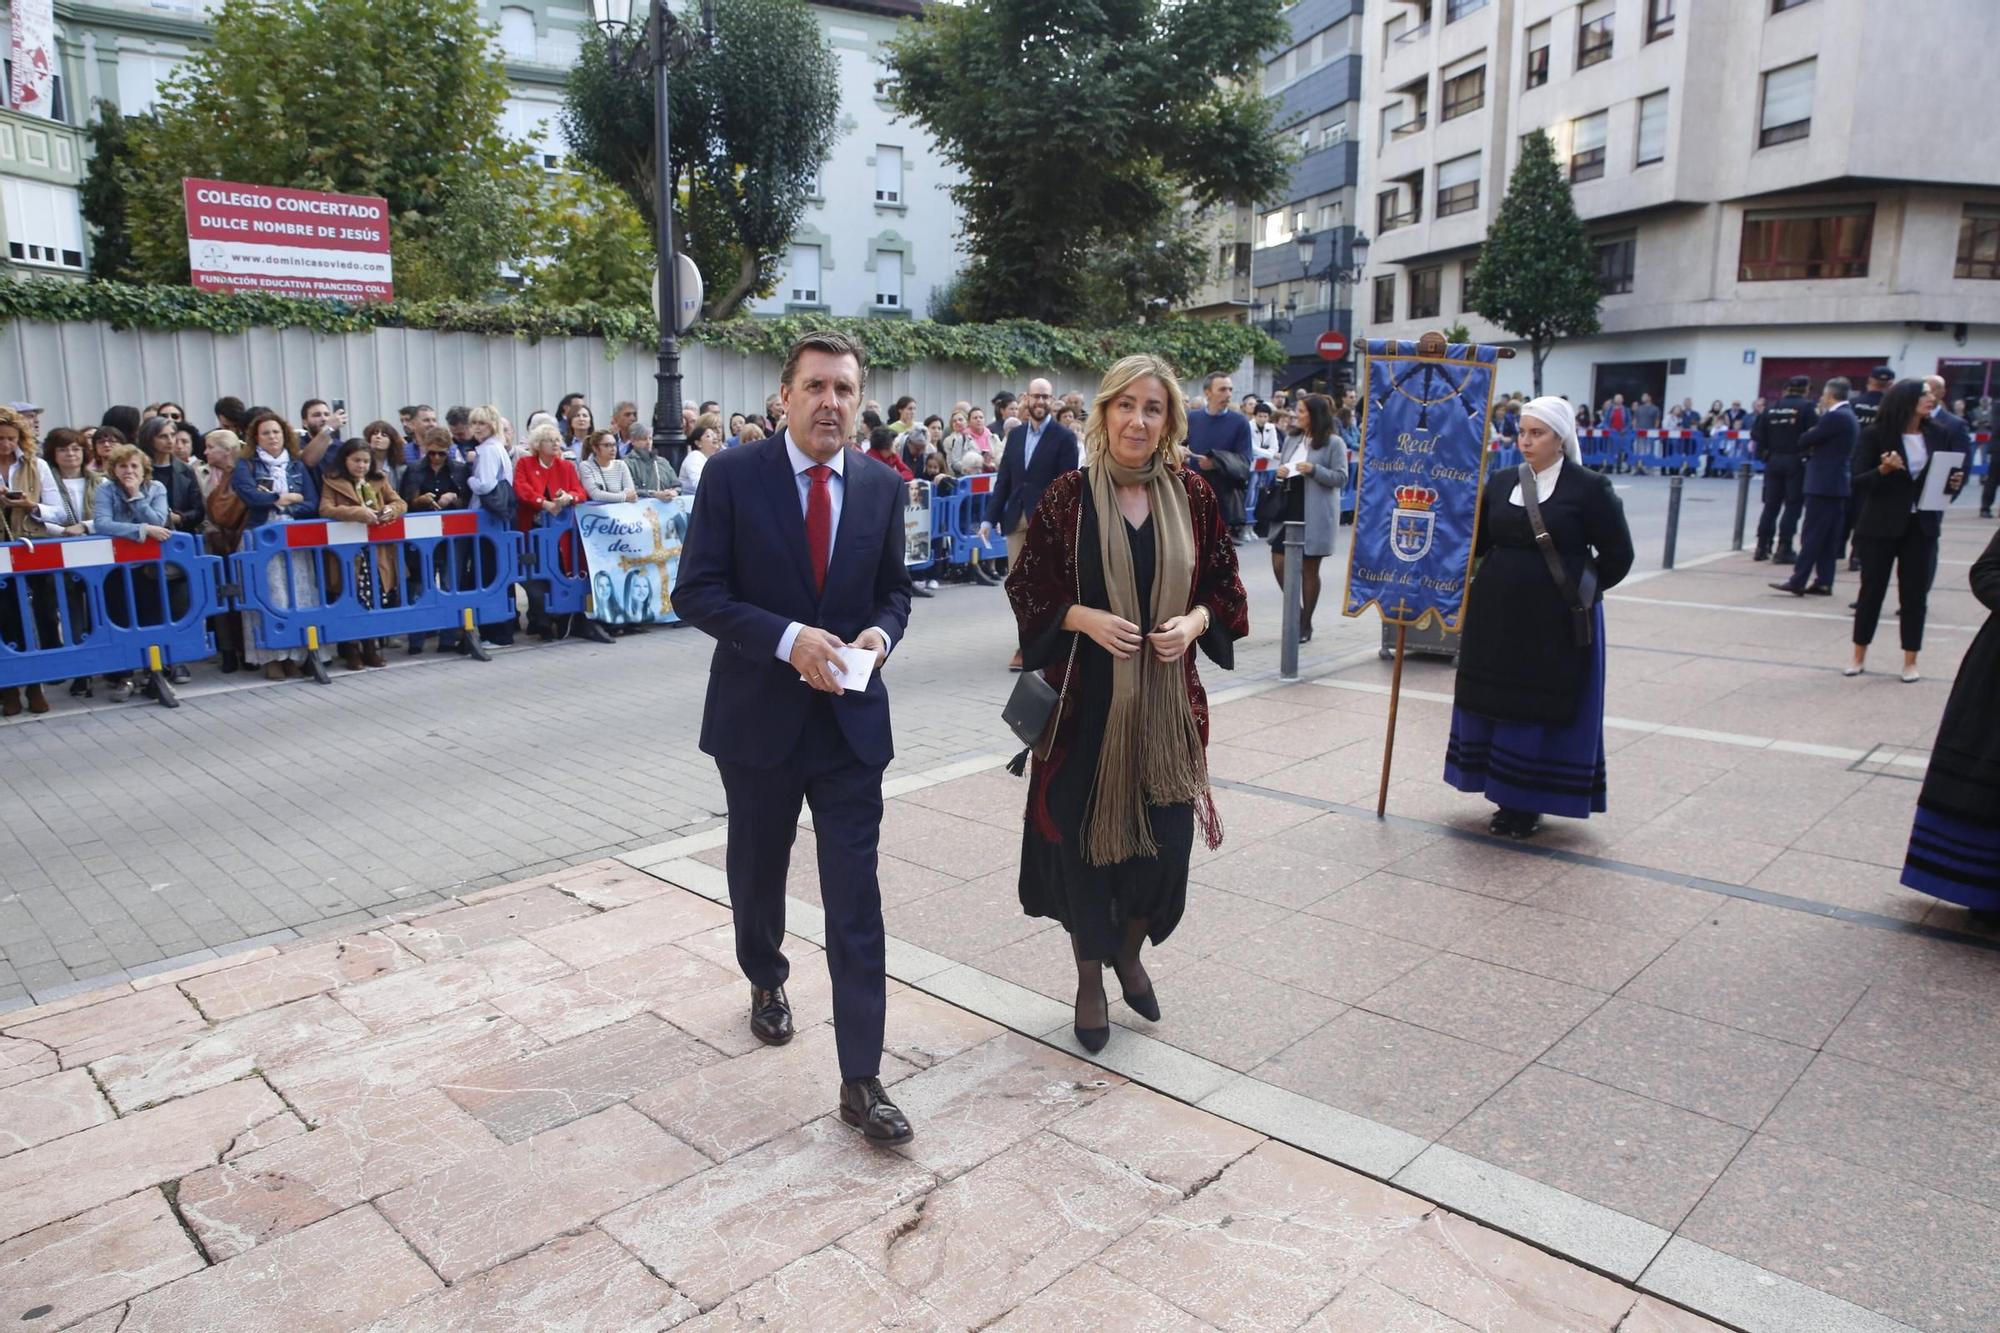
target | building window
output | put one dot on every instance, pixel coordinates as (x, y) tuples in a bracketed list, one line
[(1426, 291), (1466, 269), (517, 33), (44, 223), (1652, 129), (1385, 299), (1328, 217), (1464, 93), (889, 279), (58, 104), (1593, 33), (1978, 243), (1274, 229), (888, 174), (1387, 204), (1458, 185), (1587, 135), (1805, 243), (142, 77), (1454, 10), (1659, 19), (1335, 133), (1788, 100), (1614, 263), (803, 284), (1538, 55)]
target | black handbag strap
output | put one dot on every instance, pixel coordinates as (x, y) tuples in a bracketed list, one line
[(1547, 546)]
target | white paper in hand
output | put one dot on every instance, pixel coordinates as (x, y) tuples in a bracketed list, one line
[(857, 665), (1943, 463)]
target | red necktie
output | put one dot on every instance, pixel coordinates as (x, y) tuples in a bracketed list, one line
[(819, 522)]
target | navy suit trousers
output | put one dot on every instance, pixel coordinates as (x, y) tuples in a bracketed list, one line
[(1784, 493), (846, 799), (1820, 541)]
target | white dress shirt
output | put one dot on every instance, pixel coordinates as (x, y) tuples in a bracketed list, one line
[(836, 487), (1545, 484)]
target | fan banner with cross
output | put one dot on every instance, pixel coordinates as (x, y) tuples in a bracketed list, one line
[(1423, 464), (632, 553)]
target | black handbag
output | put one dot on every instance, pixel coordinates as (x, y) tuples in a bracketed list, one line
[(1580, 598), (1034, 708)]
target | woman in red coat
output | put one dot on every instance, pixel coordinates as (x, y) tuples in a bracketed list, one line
[(546, 485), (1126, 567)]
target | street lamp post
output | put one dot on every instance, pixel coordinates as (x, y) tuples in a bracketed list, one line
[(663, 41), (1340, 271)]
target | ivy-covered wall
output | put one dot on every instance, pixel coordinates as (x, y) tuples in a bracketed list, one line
[(1194, 346)]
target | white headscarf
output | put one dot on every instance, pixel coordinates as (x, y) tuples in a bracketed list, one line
[(1560, 417)]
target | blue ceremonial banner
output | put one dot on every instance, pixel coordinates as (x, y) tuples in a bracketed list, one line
[(632, 553), (1423, 464)]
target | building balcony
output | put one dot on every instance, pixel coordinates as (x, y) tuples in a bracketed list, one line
[(1414, 125), (38, 149)]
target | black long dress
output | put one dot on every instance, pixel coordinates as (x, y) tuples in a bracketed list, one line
[(1955, 839), (1094, 902)]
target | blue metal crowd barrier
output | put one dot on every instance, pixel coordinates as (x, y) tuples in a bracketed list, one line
[(542, 561), (318, 582), (1730, 450), (83, 606)]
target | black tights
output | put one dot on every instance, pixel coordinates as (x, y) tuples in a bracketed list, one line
[(1092, 1008), (1308, 584)]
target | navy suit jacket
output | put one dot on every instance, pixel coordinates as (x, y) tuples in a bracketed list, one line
[(1829, 450), (1017, 490), (745, 576)]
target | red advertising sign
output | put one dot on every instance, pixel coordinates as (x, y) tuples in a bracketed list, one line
[(1332, 345), (259, 238)]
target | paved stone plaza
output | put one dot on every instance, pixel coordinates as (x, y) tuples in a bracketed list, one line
[(1699, 1052)]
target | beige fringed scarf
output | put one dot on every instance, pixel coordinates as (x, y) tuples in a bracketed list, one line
[(1152, 752)]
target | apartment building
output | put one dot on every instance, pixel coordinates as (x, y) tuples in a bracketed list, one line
[(1315, 84), (1772, 187)]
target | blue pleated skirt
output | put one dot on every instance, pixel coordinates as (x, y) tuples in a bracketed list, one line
[(1550, 769), (1954, 860)]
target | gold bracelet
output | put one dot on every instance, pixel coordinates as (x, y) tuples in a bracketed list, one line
[(1207, 619)]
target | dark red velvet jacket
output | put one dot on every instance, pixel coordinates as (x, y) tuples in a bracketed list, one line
[(1042, 587)]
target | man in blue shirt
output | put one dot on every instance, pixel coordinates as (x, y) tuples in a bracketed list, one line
[(1213, 428)]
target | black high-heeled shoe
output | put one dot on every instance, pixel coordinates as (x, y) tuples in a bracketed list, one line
[(1091, 1039), (1144, 1003)]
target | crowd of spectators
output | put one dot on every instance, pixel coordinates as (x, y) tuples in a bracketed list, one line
[(149, 473)]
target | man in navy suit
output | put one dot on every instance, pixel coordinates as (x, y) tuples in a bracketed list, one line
[(1827, 447), (1038, 451), (795, 552)]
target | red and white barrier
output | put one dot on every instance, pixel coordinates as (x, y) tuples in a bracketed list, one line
[(316, 532), (74, 553)]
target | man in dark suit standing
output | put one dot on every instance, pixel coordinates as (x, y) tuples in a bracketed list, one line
[(795, 553), (1828, 448), (1038, 451)]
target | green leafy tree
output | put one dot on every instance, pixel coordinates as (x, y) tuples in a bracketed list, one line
[(1125, 279), (1537, 276), (105, 206), (1079, 124), (584, 242), (750, 124), (397, 98)]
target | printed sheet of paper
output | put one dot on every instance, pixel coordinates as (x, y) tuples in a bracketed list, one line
[(857, 666), (1943, 463)]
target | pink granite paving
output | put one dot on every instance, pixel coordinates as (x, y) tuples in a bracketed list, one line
[(541, 1111)]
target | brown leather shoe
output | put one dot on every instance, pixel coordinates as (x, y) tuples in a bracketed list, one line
[(372, 658), (770, 1016), (867, 1108), (37, 701), (10, 701), (351, 656)]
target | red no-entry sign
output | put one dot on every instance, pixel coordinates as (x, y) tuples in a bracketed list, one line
[(1332, 345)]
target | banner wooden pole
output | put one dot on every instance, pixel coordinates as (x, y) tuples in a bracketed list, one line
[(1389, 741)]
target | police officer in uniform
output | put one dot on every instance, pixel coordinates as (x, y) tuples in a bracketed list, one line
[(1776, 434), (1827, 450), (1879, 381)]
